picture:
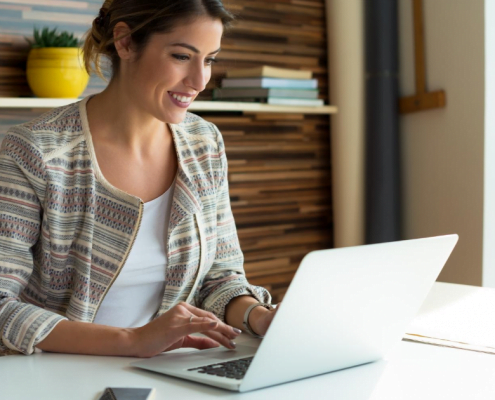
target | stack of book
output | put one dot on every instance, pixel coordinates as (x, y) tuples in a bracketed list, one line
[(269, 85)]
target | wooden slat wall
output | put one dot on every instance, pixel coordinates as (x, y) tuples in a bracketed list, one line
[(279, 164), (279, 174), (283, 33)]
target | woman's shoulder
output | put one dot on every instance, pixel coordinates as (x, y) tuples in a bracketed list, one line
[(196, 128), (51, 130)]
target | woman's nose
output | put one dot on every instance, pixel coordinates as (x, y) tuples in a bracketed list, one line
[(198, 77)]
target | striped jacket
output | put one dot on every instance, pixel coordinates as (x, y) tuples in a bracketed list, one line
[(65, 232)]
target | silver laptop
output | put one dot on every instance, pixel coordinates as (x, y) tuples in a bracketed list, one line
[(344, 307)]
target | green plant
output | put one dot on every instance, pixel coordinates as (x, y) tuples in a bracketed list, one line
[(50, 38)]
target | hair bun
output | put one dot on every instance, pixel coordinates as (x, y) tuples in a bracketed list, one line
[(101, 18)]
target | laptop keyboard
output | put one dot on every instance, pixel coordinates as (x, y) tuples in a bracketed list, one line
[(235, 369)]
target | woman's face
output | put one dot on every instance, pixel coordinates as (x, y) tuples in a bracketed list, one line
[(173, 69)]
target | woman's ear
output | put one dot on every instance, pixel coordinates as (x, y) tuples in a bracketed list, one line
[(122, 40)]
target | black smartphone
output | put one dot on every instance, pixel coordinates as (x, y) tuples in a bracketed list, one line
[(128, 394)]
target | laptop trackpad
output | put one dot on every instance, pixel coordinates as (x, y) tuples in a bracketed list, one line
[(251, 343), (224, 354)]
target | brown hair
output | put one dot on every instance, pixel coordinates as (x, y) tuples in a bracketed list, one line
[(144, 18)]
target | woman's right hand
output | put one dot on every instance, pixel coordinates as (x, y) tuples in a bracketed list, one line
[(172, 330)]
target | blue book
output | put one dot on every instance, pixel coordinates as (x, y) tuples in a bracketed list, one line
[(239, 93), (295, 102), (270, 83)]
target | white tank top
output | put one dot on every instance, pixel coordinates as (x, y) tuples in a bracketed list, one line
[(136, 294)]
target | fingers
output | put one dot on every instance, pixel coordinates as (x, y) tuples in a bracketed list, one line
[(200, 343), (209, 328), (223, 328), (199, 312), (222, 339)]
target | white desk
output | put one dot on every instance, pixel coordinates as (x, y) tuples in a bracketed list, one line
[(411, 371)]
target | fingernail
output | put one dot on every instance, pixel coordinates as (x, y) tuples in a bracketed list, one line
[(213, 324), (236, 330), (232, 344)]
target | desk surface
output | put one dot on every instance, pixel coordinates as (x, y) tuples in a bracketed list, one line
[(411, 371)]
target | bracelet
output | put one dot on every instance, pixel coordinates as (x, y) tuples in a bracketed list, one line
[(245, 323)]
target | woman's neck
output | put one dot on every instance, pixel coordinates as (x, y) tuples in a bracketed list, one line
[(115, 116)]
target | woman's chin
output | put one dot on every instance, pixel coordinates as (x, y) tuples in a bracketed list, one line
[(177, 119), (173, 118)]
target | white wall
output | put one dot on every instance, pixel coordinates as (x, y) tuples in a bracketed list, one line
[(345, 27), (442, 150), (444, 168)]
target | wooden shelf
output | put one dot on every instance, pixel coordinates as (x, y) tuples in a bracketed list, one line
[(28, 102)]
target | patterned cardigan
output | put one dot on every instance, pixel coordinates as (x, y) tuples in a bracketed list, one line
[(66, 232)]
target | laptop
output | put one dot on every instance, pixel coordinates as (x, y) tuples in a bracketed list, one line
[(344, 307)]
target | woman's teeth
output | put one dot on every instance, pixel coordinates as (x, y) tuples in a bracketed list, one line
[(182, 99)]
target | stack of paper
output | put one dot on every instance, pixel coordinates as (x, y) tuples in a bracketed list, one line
[(456, 316)]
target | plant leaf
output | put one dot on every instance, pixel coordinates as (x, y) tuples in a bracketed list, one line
[(51, 38)]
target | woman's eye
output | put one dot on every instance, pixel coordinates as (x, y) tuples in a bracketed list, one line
[(181, 57)]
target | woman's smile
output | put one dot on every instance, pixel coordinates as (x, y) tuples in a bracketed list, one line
[(180, 99)]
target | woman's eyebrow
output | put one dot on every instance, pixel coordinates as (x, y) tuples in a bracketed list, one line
[(188, 46)]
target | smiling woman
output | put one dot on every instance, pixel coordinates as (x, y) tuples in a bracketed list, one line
[(169, 72), (121, 203), (163, 46)]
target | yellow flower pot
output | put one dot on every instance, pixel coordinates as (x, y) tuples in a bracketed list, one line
[(56, 72)]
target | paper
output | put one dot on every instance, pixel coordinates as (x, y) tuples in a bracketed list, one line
[(456, 316)]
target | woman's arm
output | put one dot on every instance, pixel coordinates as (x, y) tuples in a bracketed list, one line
[(22, 186), (168, 332), (259, 317), (225, 290), (85, 338)]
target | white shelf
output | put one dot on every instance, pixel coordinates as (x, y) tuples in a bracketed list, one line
[(28, 102)]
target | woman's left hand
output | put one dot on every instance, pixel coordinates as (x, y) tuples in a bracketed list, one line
[(260, 319)]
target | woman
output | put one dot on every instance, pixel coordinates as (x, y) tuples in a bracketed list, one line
[(115, 210)]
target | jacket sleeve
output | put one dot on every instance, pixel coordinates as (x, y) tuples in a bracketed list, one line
[(22, 325), (226, 278)]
